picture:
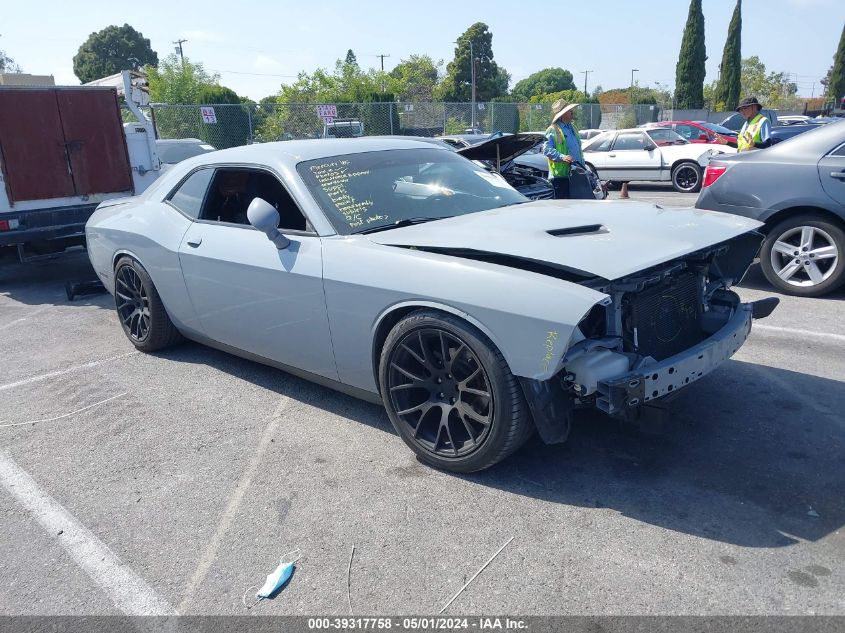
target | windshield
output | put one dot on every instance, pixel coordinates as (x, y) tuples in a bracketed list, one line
[(362, 192), (714, 127)]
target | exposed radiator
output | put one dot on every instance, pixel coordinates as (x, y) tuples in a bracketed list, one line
[(664, 320)]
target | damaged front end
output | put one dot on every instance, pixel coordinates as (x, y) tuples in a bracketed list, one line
[(656, 332)]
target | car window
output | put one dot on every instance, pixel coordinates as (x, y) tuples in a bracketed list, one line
[(189, 196), (600, 143), (839, 151), (664, 136), (371, 190), (233, 190), (630, 141), (687, 131)]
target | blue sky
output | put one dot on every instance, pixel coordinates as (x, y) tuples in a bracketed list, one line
[(275, 40)]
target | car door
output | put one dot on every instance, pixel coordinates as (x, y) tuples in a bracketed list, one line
[(247, 293), (832, 174), (630, 158), (595, 152)]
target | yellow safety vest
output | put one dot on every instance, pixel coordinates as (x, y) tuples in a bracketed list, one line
[(750, 133), (559, 169)]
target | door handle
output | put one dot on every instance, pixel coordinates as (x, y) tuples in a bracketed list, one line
[(838, 174), (194, 241), (612, 155)]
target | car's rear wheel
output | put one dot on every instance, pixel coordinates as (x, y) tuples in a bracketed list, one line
[(450, 394), (686, 177), (804, 256), (140, 309)]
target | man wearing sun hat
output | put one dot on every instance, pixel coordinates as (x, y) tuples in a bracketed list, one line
[(562, 147), (755, 131)]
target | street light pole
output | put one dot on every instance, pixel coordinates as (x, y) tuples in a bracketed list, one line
[(633, 70)]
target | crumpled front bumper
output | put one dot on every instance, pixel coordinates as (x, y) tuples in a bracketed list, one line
[(622, 395)]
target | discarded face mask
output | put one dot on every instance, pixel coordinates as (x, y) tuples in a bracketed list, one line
[(278, 577)]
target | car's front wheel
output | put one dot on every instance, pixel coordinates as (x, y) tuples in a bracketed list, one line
[(450, 394), (686, 177), (140, 309), (803, 256)]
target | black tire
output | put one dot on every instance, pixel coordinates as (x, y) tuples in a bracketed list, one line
[(686, 177), (142, 314), (804, 274), (458, 429)]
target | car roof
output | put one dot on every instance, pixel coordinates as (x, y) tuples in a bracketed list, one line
[(292, 152)]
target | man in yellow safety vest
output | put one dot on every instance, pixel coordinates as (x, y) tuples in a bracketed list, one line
[(755, 131), (562, 146)]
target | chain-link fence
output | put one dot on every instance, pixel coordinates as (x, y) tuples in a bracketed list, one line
[(230, 125)]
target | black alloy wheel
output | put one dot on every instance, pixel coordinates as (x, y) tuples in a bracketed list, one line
[(142, 314), (450, 394), (686, 177), (440, 391)]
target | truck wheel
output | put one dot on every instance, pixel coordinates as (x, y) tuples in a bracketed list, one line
[(450, 394), (139, 307), (803, 256)]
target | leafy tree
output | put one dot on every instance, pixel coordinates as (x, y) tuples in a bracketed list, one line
[(836, 87), (174, 82), (690, 70), (416, 78), (774, 90), (7, 64), (232, 127), (350, 58), (543, 82), (490, 80), (111, 50), (726, 95)]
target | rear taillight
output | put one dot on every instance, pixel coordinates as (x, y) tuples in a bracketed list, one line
[(713, 172), (8, 225)]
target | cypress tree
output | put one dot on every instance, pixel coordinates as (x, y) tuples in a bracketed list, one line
[(836, 87), (690, 71), (727, 92)]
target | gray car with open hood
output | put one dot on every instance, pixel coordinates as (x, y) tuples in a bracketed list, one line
[(402, 273)]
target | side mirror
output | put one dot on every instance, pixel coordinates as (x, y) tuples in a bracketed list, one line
[(703, 137), (263, 216), (649, 146)]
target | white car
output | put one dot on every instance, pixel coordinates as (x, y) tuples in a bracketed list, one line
[(656, 154)]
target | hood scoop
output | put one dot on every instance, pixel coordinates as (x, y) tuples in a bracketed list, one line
[(587, 229)]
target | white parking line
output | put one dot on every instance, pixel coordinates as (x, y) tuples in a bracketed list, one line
[(62, 372), (128, 591), (210, 553), (828, 336)]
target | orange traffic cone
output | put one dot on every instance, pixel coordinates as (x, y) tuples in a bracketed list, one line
[(624, 193)]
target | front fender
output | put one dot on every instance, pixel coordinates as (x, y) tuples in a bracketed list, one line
[(530, 317)]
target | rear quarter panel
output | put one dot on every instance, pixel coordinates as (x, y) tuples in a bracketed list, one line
[(151, 233)]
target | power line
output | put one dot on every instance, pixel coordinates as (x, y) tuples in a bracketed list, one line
[(238, 72)]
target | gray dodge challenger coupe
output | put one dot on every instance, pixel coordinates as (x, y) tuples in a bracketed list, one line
[(406, 275)]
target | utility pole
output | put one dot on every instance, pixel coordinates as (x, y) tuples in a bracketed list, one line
[(382, 60), (179, 49), (586, 73)]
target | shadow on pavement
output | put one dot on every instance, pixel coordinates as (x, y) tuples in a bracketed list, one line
[(752, 455), (756, 280), (42, 282)]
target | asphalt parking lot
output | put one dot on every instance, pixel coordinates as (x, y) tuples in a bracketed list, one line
[(175, 481)]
